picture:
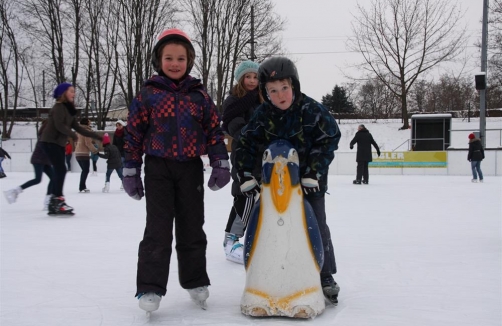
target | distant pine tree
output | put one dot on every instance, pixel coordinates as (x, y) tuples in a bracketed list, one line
[(338, 102)]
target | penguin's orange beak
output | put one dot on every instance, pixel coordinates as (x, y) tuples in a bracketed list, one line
[(280, 186)]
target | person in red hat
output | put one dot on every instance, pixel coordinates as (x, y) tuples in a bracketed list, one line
[(172, 122), (475, 155), (113, 163)]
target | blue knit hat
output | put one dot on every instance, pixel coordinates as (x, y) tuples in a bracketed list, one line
[(244, 68), (60, 89)]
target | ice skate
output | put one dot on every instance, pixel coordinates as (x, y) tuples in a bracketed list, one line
[(57, 206), (121, 186), (106, 188), (199, 296), (234, 250), (85, 190), (94, 174), (330, 290), (356, 182), (474, 180), (365, 182), (11, 195), (149, 302), (47, 201)]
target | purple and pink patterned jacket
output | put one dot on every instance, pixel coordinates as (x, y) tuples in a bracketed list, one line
[(177, 121)]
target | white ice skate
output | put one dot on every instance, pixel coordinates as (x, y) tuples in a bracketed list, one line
[(234, 250), (199, 296), (106, 188), (149, 302), (11, 195)]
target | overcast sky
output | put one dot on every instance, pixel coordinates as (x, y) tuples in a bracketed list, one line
[(317, 30)]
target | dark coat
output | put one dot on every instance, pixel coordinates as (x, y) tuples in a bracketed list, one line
[(476, 151), (62, 119), (39, 156), (3, 153), (236, 114), (307, 125), (119, 141), (112, 153), (364, 140)]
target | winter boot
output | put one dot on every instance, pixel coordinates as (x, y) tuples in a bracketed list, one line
[(47, 201), (330, 289), (149, 301), (199, 296), (11, 195), (356, 182), (106, 188), (234, 250), (57, 206)]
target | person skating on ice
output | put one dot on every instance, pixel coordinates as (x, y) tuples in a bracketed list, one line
[(172, 122), (309, 127), (238, 108), (62, 119), (113, 161), (364, 140)]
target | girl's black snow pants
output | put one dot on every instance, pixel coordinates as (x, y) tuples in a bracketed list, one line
[(174, 193)]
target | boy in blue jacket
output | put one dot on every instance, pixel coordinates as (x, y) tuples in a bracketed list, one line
[(309, 127)]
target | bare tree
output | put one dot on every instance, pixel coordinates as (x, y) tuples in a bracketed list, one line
[(402, 39), (376, 100), (222, 31), (99, 40), (494, 90), (139, 22), (10, 68)]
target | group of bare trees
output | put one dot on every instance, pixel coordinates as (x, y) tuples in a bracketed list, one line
[(105, 47)]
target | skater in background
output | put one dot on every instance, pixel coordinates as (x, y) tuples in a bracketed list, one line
[(94, 159), (83, 149), (364, 140), (238, 108), (41, 164), (62, 119), (290, 115), (475, 155), (3, 155), (174, 180), (113, 163), (119, 138), (68, 154)]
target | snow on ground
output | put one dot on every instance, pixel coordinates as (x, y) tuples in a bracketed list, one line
[(411, 250)]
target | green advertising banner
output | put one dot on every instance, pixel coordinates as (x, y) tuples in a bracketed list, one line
[(409, 160)]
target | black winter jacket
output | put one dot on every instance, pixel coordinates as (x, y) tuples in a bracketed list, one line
[(112, 153), (236, 114), (476, 152), (364, 140)]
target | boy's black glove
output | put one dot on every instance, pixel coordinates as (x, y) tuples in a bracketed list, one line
[(310, 183), (249, 185)]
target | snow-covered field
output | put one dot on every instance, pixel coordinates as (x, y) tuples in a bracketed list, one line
[(411, 250)]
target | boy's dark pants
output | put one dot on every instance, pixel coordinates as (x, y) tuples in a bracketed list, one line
[(173, 190), (318, 205)]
